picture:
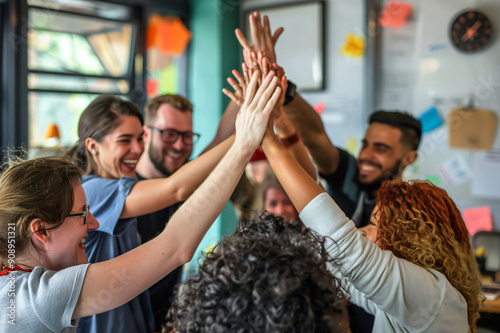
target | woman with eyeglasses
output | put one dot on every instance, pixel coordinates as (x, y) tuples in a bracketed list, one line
[(110, 143), (46, 283)]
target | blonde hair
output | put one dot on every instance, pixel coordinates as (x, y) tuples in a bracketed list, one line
[(420, 223), (38, 188)]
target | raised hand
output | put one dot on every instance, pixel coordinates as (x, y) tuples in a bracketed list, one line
[(238, 96), (262, 38), (254, 114)]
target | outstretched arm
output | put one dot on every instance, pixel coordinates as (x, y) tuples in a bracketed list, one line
[(114, 282), (285, 130), (150, 195), (226, 125), (304, 118), (296, 182), (310, 127)]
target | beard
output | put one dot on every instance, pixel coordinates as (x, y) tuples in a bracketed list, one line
[(389, 174), (156, 159)]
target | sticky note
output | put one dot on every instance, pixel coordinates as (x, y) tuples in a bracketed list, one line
[(169, 34), (352, 145), (319, 107), (435, 180), (478, 219), (152, 87), (395, 14), (430, 119), (354, 46), (455, 170)]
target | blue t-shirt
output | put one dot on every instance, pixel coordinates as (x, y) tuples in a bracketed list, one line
[(115, 236), (41, 300)]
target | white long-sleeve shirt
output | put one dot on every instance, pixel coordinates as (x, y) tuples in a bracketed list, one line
[(402, 296)]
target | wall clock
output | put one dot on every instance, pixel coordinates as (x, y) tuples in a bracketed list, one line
[(471, 31)]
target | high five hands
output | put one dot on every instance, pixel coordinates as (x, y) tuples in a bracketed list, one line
[(259, 63), (254, 114), (262, 39)]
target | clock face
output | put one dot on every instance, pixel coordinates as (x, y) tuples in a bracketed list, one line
[(471, 31)]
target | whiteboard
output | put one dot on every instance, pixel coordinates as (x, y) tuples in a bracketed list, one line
[(302, 41)]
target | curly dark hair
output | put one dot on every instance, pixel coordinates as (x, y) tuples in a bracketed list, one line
[(269, 276)]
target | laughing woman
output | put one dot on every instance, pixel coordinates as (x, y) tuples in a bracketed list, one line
[(45, 213), (426, 280)]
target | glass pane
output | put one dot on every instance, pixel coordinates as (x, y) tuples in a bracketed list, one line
[(63, 110), (75, 83), (65, 42), (93, 8)]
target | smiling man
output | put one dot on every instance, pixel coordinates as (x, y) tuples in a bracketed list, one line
[(168, 143), (168, 136), (390, 144)]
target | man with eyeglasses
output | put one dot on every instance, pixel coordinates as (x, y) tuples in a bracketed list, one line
[(168, 136), (168, 143)]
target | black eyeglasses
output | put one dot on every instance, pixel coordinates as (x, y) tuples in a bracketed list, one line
[(170, 135), (84, 214)]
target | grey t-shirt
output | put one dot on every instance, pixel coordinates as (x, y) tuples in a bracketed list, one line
[(41, 300)]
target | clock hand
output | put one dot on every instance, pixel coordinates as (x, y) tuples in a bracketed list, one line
[(471, 31)]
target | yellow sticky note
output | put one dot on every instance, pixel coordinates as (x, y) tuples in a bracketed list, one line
[(352, 145), (354, 46)]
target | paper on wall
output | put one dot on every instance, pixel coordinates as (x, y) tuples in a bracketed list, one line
[(486, 174), (472, 128), (455, 170)]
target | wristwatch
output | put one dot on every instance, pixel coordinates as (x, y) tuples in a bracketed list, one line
[(291, 91), (291, 140)]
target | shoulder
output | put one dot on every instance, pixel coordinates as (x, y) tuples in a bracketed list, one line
[(44, 300), (106, 185)]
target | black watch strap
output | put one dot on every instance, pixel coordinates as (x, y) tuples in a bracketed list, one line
[(291, 91)]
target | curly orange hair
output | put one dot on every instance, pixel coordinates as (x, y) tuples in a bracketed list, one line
[(420, 223)]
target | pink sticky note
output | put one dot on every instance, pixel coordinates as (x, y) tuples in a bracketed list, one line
[(319, 107), (478, 219), (395, 14)]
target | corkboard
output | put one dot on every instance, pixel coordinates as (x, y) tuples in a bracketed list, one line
[(472, 128)]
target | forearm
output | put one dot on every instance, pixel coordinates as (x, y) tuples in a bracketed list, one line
[(304, 118), (312, 132), (226, 125), (126, 276), (151, 195), (300, 153), (297, 183)]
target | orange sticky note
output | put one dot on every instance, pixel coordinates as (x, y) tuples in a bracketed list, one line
[(174, 37), (169, 34), (478, 219), (395, 14)]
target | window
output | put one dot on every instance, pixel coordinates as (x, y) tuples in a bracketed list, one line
[(76, 51)]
